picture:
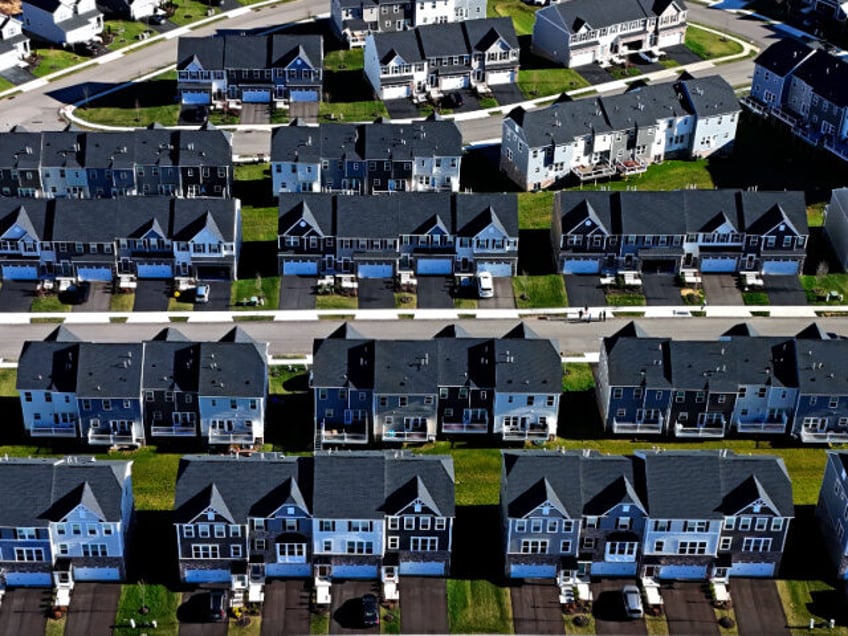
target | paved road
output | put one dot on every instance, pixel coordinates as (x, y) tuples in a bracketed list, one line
[(758, 607), (424, 606), (92, 610), (24, 611), (689, 610), (536, 609)]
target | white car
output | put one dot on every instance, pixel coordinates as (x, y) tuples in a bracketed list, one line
[(632, 601), (201, 293), (485, 285)]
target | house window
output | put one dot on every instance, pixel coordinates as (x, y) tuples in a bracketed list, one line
[(695, 526), (777, 524), (424, 523), (94, 550), (220, 531), (424, 544), (756, 544), (520, 525), (567, 525), (622, 523), (259, 524), (552, 526), (761, 524), (393, 523), (443, 394), (744, 524), (203, 551), (725, 543), (565, 546), (359, 547), (203, 531), (729, 523), (409, 523), (534, 546), (591, 522), (188, 532), (588, 543), (659, 546), (235, 551), (327, 545), (394, 541), (692, 548), (441, 523)]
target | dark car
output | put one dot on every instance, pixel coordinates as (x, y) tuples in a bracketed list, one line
[(456, 100), (370, 611), (218, 605), (157, 18)]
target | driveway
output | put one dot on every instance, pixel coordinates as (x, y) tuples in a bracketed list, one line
[(435, 292), (584, 290), (721, 289), (661, 289), (255, 114), (24, 611), (758, 607), (345, 609), (151, 295), (504, 297), (594, 74), (193, 615), (297, 292), (608, 608), (17, 295), (784, 290), (99, 295), (688, 609), (93, 608), (506, 94), (219, 296), (305, 111), (424, 606), (401, 108), (536, 609), (679, 53), (286, 608), (376, 293)]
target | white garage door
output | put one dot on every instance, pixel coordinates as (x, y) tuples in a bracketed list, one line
[(288, 569), (300, 268), (375, 270), (752, 569), (96, 574), (499, 77), (780, 267), (20, 272), (149, 270), (580, 266), (434, 266), (196, 98), (495, 268), (422, 568), (207, 576), (29, 579), (525, 571), (453, 82), (95, 273), (683, 572), (604, 568), (354, 572), (581, 58), (256, 96), (715, 264), (396, 92)]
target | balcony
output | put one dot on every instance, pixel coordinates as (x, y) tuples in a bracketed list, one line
[(173, 431), (838, 436), (774, 423), (754, 106), (407, 436), (231, 437), (530, 432), (65, 430), (122, 438), (474, 421), (355, 433), (596, 171), (837, 148), (639, 427), (698, 431), (631, 166)]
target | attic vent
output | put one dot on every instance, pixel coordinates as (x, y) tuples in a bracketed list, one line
[(190, 146), (28, 150)]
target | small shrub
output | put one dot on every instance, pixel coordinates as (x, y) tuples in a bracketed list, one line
[(581, 621), (726, 622)]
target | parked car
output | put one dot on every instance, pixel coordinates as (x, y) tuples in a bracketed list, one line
[(485, 285), (370, 611), (201, 293), (201, 114), (649, 57), (157, 18), (632, 601), (218, 605), (455, 100)]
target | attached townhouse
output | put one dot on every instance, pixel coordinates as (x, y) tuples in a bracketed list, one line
[(65, 22), (832, 511), (88, 165), (711, 231), (430, 61), (453, 386), (381, 236), (131, 9), (424, 156), (264, 69), (601, 137), (14, 45), (581, 32), (124, 394), (805, 88), (836, 10), (821, 414), (63, 521), (353, 20), (74, 240), (836, 225)]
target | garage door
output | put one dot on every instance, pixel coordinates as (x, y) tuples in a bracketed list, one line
[(96, 574), (154, 271), (495, 268), (683, 572), (303, 96), (752, 569), (20, 272), (711, 265), (434, 266), (210, 272), (396, 92), (256, 96), (453, 82), (28, 579), (499, 77), (207, 576), (288, 569), (355, 571), (95, 273), (581, 266), (300, 268), (196, 98), (780, 267), (581, 58), (524, 571), (375, 270), (422, 568), (604, 568), (659, 266)]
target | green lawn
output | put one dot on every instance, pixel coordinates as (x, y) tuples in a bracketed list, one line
[(344, 60), (478, 607), (175, 304), (707, 45), (488, 102), (824, 284), (755, 298), (815, 214), (336, 301), (190, 11), (406, 300), (165, 114), (252, 172), (5, 84), (259, 224), (577, 377), (52, 60), (163, 606), (352, 111), (8, 379), (549, 81), (570, 628), (267, 286), (523, 16), (121, 302), (730, 613), (390, 620), (539, 291), (624, 72), (319, 623), (48, 304), (534, 210), (622, 298), (669, 175), (55, 627), (798, 601), (466, 303), (125, 32)]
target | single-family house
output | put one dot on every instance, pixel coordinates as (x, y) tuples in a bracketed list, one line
[(14, 45), (64, 22), (581, 32), (832, 511)]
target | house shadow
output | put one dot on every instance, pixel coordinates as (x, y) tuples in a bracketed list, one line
[(480, 171), (288, 422), (256, 192), (535, 254), (579, 417), (258, 257), (152, 555), (154, 92), (476, 542)]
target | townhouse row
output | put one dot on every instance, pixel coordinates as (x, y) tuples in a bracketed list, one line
[(742, 383), (147, 161), (126, 394)]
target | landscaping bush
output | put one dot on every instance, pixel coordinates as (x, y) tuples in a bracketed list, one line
[(726, 622)]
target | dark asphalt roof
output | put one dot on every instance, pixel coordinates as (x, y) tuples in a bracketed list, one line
[(782, 56), (710, 95), (827, 75), (575, 14), (249, 51)]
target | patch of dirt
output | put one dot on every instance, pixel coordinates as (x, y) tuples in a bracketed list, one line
[(10, 7)]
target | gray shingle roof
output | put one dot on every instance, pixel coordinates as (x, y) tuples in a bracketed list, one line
[(711, 95), (821, 366), (575, 14), (782, 56), (827, 75), (231, 369), (109, 370)]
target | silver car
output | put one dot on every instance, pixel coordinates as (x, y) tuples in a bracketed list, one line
[(632, 601)]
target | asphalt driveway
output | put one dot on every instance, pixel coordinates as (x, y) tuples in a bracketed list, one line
[(93, 608), (584, 290), (536, 609), (193, 615), (721, 289), (784, 290), (688, 609), (345, 609), (286, 608), (758, 607), (504, 297), (401, 108), (255, 114), (506, 94), (679, 53), (99, 295), (297, 292), (608, 608), (661, 290), (424, 606), (434, 292), (151, 295), (219, 296), (24, 611), (594, 74), (376, 293), (16, 295)]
